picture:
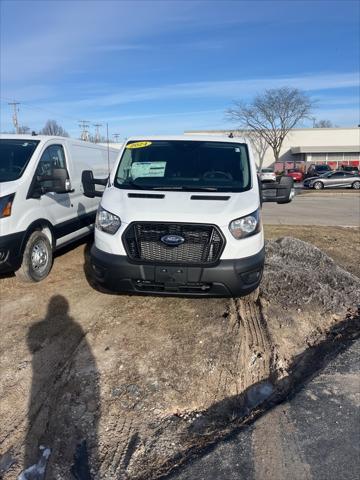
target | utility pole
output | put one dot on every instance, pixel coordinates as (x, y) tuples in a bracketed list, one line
[(15, 117), (84, 125), (116, 136), (97, 133)]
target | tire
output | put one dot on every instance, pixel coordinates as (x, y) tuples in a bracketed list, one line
[(37, 258), (318, 186), (356, 185)]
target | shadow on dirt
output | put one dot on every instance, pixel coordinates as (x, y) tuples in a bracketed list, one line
[(63, 405)]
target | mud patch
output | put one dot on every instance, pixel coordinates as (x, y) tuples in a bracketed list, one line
[(144, 381)]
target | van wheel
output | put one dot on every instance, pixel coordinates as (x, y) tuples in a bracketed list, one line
[(37, 258), (356, 185)]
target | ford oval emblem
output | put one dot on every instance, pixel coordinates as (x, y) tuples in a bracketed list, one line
[(172, 240)]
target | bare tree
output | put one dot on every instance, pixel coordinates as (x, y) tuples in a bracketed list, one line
[(23, 129), (259, 144), (53, 128), (272, 114), (96, 138), (323, 124)]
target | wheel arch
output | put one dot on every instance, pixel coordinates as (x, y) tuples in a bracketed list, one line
[(42, 225)]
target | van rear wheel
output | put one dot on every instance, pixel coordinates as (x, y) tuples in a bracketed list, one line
[(37, 258)]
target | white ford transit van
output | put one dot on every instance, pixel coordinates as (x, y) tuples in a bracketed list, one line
[(42, 205), (182, 215)]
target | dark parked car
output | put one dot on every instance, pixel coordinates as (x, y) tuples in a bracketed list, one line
[(350, 169), (337, 179), (316, 170)]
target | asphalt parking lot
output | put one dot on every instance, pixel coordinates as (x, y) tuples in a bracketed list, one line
[(328, 208), (313, 434)]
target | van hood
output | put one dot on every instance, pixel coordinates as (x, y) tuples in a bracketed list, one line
[(218, 208), (6, 188)]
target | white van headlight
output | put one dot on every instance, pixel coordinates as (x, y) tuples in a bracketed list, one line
[(245, 226), (106, 221), (6, 205)]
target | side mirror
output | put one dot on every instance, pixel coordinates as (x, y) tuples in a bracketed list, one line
[(58, 182), (89, 182), (279, 192), (61, 182)]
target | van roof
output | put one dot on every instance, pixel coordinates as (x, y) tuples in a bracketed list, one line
[(44, 138), (204, 138)]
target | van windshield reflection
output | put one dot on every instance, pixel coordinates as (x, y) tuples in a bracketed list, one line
[(184, 165), (14, 156)]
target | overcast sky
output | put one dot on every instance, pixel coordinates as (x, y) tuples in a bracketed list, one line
[(152, 67)]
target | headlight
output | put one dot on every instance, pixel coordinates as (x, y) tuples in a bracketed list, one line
[(246, 226), (6, 204), (106, 221)]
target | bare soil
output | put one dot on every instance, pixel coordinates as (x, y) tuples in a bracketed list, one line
[(128, 386)]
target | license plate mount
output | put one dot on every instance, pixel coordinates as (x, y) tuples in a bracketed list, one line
[(171, 275)]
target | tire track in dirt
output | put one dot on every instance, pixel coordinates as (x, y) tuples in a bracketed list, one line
[(115, 460), (255, 346), (251, 353)]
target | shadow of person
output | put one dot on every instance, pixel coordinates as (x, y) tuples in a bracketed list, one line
[(64, 404)]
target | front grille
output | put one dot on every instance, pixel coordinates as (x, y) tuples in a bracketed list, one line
[(203, 243)]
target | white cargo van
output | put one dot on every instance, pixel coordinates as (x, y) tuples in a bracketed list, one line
[(42, 204), (182, 215)]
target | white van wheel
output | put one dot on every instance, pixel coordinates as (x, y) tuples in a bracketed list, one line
[(37, 258)]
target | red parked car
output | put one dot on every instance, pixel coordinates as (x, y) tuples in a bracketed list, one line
[(296, 175)]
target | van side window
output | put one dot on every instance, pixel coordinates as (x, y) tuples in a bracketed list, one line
[(52, 159)]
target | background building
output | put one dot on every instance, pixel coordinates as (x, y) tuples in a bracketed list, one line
[(304, 146)]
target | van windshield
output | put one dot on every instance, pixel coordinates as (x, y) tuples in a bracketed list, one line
[(184, 165), (14, 156)]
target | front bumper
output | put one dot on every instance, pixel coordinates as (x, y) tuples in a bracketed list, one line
[(228, 278), (11, 252)]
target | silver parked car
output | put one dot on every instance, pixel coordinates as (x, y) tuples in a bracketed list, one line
[(267, 175), (337, 179)]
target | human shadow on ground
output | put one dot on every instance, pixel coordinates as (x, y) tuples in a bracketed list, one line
[(64, 404)]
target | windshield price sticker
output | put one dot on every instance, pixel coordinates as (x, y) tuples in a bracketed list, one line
[(138, 145), (148, 169)]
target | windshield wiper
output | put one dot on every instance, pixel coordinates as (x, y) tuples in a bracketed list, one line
[(133, 183)]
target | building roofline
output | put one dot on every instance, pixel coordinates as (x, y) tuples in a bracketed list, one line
[(327, 149), (204, 132)]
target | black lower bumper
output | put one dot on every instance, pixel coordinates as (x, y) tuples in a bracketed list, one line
[(11, 251), (228, 278)]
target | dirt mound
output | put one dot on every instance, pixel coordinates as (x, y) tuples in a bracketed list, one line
[(135, 384), (298, 274)]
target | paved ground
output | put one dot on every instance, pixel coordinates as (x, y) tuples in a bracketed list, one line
[(332, 210), (315, 435)]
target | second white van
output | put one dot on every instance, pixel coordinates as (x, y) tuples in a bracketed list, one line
[(42, 203)]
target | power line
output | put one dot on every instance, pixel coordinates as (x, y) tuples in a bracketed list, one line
[(84, 125), (32, 105), (97, 133), (15, 117)]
